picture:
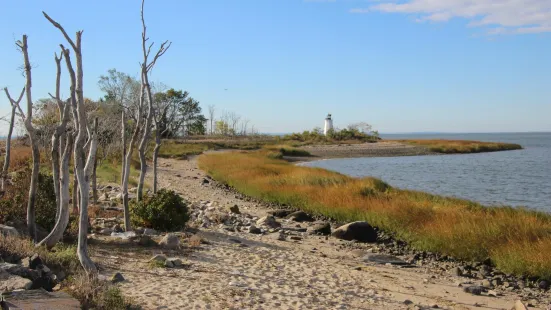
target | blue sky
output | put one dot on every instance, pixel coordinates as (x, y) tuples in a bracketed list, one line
[(402, 66)]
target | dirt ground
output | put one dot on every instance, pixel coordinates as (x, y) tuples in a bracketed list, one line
[(240, 270)]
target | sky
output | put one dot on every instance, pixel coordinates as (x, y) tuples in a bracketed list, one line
[(402, 66)]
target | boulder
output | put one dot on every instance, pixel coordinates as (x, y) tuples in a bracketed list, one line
[(8, 231), (269, 221), (360, 231), (281, 213), (300, 216), (9, 282), (170, 241), (321, 229), (117, 228)]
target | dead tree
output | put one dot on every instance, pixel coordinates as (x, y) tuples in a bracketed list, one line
[(61, 143), (146, 67), (14, 105), (212, 109), (127, 158), (84, 164), (31, 131)]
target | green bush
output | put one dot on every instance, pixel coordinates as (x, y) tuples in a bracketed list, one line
[(13, 205), (164, 211)]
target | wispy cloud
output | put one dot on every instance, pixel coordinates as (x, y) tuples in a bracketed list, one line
[(497, 16)]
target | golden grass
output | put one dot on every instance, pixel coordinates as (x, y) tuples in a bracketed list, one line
[(462, 146), (515, 239)]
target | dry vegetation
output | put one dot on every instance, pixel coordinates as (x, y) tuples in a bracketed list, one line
[(462, 146), (516, 240)]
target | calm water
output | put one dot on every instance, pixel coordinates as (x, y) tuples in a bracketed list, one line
[(515, 178)]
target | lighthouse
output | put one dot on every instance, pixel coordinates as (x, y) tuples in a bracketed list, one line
[(328, 124)]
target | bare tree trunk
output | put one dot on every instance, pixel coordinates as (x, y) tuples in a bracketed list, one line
[(146, 67), (83, 168), (94, 182), (155, 156), (14, 105), (31, 225), (123, 134), (63, 219), (8, 149), (75, 192), (126, 164)]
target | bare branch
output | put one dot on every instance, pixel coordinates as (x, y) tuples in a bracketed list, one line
[(16, 102), (58, 26)]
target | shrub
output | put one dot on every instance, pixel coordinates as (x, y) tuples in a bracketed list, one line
[(13, 206), (96, 294), (165, 211)]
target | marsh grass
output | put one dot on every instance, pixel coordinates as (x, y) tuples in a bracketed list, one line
[(516, 240), (462, 146)]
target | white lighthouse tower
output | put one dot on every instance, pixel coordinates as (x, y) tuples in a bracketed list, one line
[(328, 124)]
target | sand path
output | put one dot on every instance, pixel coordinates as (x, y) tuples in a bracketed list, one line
[(239, 270)]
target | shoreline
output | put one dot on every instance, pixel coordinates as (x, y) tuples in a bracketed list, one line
[(235, 268)]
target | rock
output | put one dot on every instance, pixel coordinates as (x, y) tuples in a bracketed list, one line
[(170, 241), (543, 284), (158, 258), (34, 261), (408, 302), (176, 262), (205, 181), (9, 282), (143, 240), (281, 213), (106, 231), (150, 232), (383, 259), (321, 229), (269, 221), (254, 230), (19, 270), (124, 235), (519, 306), (474, 289), (235, 209), (8, 231), (360, 231), (117, 228), (169, 264), (487, 284), (300, 216), (492, 293), (456, 272), (117, 277)]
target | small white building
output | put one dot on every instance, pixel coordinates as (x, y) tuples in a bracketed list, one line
[(328, 124)]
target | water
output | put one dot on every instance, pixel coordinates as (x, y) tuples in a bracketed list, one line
[(514, 178)]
